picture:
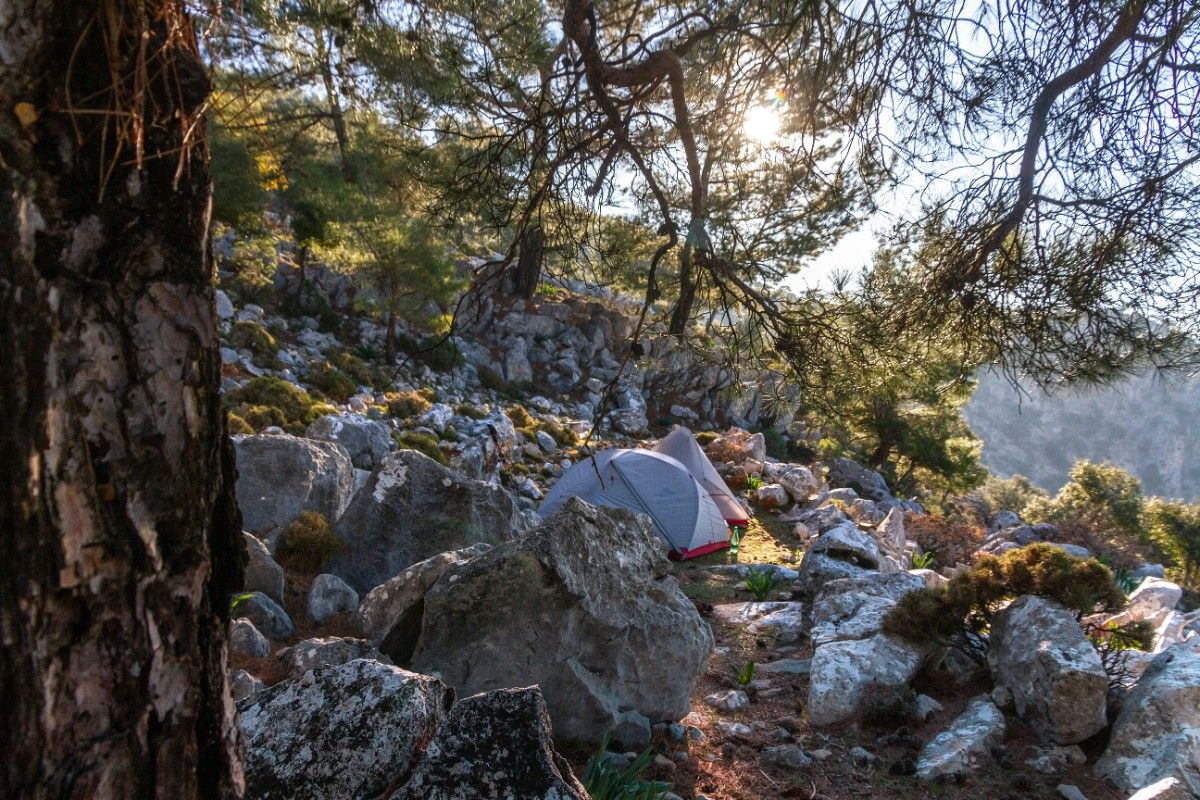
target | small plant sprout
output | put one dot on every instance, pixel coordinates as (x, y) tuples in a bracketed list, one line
[(744, 675), (238, 601), (605, 779), (754, 483), (923, 560), (761, 581)]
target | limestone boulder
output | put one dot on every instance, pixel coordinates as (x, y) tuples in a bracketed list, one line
[(413, 508), (245, 640), (352, 730), (329, 595), (1040, 654), (962, 748), (847, 675), (840, 552), (494, 745), (267, 615), (280, 476), (585, 607), (263, 574), (390, 615), (1156, 737), (867, 483), (366, 440), (854, 608)]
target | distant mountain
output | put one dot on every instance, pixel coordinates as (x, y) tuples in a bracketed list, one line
[(1145, 425)]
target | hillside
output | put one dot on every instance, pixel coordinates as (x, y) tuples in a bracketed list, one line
[(1144, 425)]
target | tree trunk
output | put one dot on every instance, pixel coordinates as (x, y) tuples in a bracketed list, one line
[(529, 264), (335, 110), (687, 294), (389, 341), (119, 526)]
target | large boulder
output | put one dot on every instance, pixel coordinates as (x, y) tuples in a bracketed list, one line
[(854, 608), (1157, 734), (958, 750), (413, 508), (263, 574), (280, 476), (351, 730), (494, 745), (867, 483), (840, 552), (845, 676), (367, 441), (583, 606), (1038, 651), (390, 615), (798, 480)]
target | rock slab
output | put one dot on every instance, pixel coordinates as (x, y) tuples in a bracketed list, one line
[(337, 732), (583, 606), (1041, 655)]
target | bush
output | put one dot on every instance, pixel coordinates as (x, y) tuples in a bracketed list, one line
[(268, 401), (252, 337), (468, 410), (238, 425), (705, 438), (438, 352), (1014, 494), (406, 404), (954, 540), (519, 416), (564, 436), (307, 544), (329, 381), (777, 445), (352, 366), (423, 443), (959, 614)]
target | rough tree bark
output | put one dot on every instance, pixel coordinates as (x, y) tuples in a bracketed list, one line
[(529, 263), (118, 526)]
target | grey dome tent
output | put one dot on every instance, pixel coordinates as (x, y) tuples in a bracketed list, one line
[(654, 484), (682, 446)]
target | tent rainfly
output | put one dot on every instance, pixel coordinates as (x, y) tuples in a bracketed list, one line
[(656, 485), (682, 446)]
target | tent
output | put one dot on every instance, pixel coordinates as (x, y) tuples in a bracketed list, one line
[(654, 484), (682, 446)]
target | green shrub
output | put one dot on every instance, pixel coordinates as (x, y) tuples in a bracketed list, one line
[(468, 410), (307, 544), (353, 366), (423, 443), (777, 445), (705, 438), (238, 425), (959, 614), (438, 352), (252, 337), (406, 404), (562, 435), (519, 416), (332, 383), (754, 482), (268, 401)]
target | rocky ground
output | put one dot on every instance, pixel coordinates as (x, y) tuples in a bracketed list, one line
[(401, 588)]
